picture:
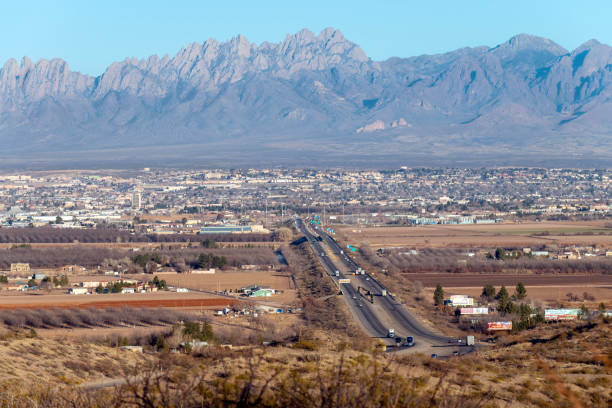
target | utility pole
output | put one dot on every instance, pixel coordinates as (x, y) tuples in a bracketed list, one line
[(266, 216)]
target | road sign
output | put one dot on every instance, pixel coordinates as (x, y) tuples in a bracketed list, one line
[(341, 281)]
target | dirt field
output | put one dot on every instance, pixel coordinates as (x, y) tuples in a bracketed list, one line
[(484, 235), (429, 280), (546, 288), (160, 299), (225, 280)]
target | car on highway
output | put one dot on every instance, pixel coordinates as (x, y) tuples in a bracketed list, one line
[(434, 355), (410, 341), (398, 341), (391, 333)]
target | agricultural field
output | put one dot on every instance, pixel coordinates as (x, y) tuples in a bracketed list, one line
[(540, 280), (56, 256), (527, 234), (546, 288), (190, 300), (552, 295), (227, 279), (108, 235)]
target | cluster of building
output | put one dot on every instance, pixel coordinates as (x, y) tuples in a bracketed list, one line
[(255, 310), (256, 290), (247, 200), (106, 286)]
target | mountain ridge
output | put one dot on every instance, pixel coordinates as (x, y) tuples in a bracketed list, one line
[(317, 89)]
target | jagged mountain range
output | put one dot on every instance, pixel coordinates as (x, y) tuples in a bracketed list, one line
[(316, 100)]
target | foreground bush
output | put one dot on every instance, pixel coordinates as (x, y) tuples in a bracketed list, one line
[(361, 381)]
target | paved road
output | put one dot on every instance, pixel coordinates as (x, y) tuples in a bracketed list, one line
[(386, 312)]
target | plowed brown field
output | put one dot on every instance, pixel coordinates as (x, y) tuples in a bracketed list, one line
[(474, 280), (183, 301)]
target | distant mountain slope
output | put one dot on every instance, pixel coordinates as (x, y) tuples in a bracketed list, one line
[(316, 99)]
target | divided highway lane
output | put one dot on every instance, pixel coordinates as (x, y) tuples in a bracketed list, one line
[(386, 312), (405, 319), (358, 306)]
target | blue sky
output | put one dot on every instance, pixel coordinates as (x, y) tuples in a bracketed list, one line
[(91, 35)]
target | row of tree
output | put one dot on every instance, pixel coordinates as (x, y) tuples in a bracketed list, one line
[(489, 294), (455, 261), (74, 318), (177, 257), (110, 235)]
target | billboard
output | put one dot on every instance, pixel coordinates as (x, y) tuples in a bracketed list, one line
[(500, 325), (474, 310), (561, 314), (461, 300)]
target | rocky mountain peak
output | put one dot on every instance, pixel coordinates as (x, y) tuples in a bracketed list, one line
[(527, 51), (587, 45), (527, 41), (309, 87)]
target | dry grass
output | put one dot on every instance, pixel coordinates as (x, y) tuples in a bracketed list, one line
[(33, 360), (568, 365), (563, 366), (156, 299)]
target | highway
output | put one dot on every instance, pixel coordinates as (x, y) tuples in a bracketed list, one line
[(385, 312)]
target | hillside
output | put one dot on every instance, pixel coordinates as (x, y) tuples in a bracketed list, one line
[(563, 366)]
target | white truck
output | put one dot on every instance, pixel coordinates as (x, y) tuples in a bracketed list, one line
[(391, 333)]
